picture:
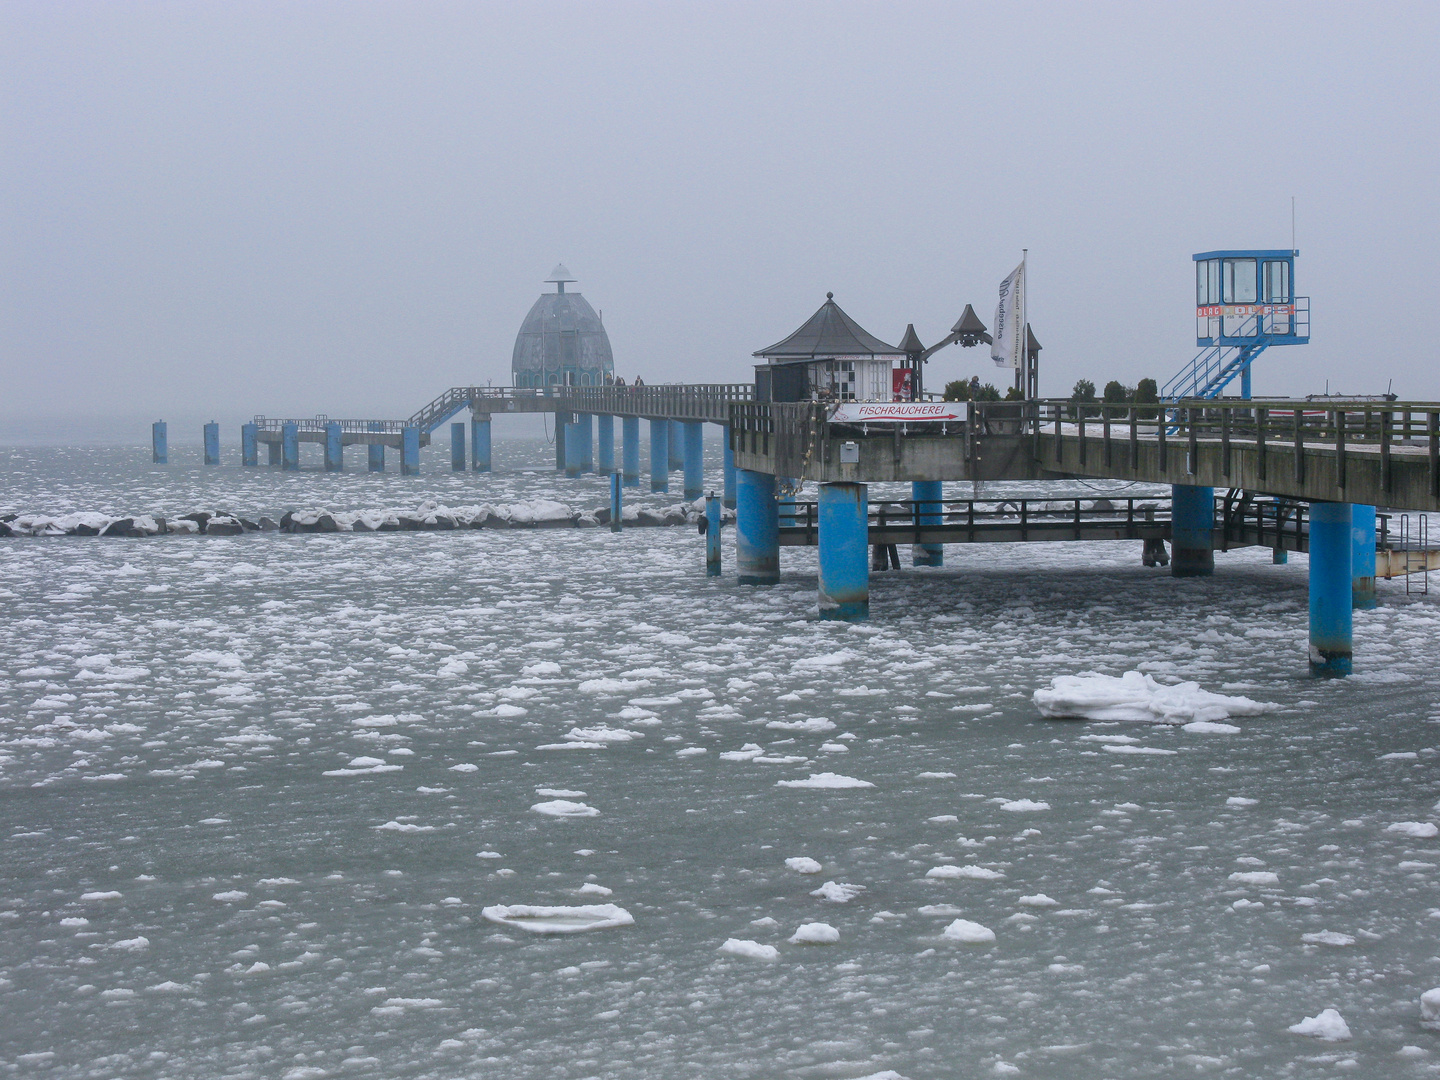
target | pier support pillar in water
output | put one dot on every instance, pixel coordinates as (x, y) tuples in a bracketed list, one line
[(289, 447), (616, 507), (1362, 557), (272, 453), (729, 468), (659, 455), (561, 423), (786, 501), (574, 452), (844, 520), (334, 447), (457, 447), (605, 445), (928, 496), (1279, 556), (1192, 524), (480, 442), (587, 441), (694, 457), (409, 450), (713, 517), (1331, 548), (677, 446), (159, 443), (757, 529), (630, 451), (249, 445), (375, 452), (212, 443)]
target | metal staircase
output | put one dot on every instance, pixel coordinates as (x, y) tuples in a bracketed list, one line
[(1216, 366)]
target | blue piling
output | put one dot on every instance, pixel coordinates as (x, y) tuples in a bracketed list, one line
[(1192, 525), (289, 447), (159, 443), (630, 451), (729, 468), (376, 451), (561, 423), (605, 444), (480, 442), (928, 496), (1279, 556), (410, 450), (212, 443), (616, 507), (713, 518), (757, 529), (659, 455), (787, 484), (457, 447), (334, 447), (676, 459), (1331, 620), (1362, 557), (574, 451), (250, 444), (587, 442), (844, 519), (694, 459)]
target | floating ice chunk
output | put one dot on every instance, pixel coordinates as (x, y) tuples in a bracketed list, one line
[(169, 987), (1136, 749), (814, 725), (834, 748), (971, 933), (948, 910), (942, 819), (543, 667), (559, 793), (1430, 1009), (838, 892), (1328, 1026), (1255, 877), (749, 752), (751, 950), (803, 865), (565, 808), (602, 734), (576, 745), (825, 662), (75, 920), (233, 896), (404, 827), (1024, 806), (691, 751), (559, 920), (1399, 755), (974, 873), (1418, 830), (935, 776), (1327, 937), (273, 881), (612, 686), (465, 766), (1137, 696), (362, 766), (1210, 727), (134, 944), (1038, 900), (1240, 800), (815, 933), (825, 780), (112, 895), (591, 889), (488, 855)]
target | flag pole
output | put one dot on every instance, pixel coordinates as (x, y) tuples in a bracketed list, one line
[(1022, 374)]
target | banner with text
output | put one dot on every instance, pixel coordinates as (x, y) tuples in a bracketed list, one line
[(897, 412), (1008, 349)]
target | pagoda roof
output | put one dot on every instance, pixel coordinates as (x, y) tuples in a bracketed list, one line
[(827, 333)]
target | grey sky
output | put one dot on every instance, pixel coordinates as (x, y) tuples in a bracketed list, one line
[(212, 210)]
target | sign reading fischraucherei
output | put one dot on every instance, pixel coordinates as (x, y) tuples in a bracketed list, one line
[(896, 412)]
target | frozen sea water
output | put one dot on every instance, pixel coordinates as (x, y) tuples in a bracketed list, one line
[(187, 893)]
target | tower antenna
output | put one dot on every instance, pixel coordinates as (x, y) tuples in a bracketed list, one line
[(1292, 225)]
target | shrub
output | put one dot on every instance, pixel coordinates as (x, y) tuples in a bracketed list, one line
[(957, 390)]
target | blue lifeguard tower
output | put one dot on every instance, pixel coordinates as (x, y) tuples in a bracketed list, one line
[(1244, 302)]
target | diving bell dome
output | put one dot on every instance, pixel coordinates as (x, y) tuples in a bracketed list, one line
[(562, 340)]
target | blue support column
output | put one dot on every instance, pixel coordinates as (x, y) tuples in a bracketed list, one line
[(1362, 557), (630, 451), (1192, 524), (376, 451), (676, 459), (844, 520), (159, 443), (729, 469), (1330, 589), (249, 444), (480, 441), (587, 442), (694, 459), (757, 529), (1279, 556), (409, 450), (289, 447), (212, 443), (457, 447), (659, 455), (713, 518), (272, 453), (562, 421), (928, 496), (1245, 382), (334, 447), (787, 486), (605, 444), (616, 507), (574, 451)]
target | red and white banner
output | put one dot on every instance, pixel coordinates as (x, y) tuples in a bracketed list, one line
[(897, 412)]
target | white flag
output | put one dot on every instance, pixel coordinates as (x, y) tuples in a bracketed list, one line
[(1008, 349)]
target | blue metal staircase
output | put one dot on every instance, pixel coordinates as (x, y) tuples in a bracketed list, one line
[(1215, 367)]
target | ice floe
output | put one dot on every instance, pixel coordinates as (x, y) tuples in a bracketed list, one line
[(825, 780), (751, 950), (803, 865), (1328, 1026), (558, 920), (1430, 1009), (815, 933), (971, 933), (565, 808), (1417, 830), (1136, 696), (838, 892), (968, 871)]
